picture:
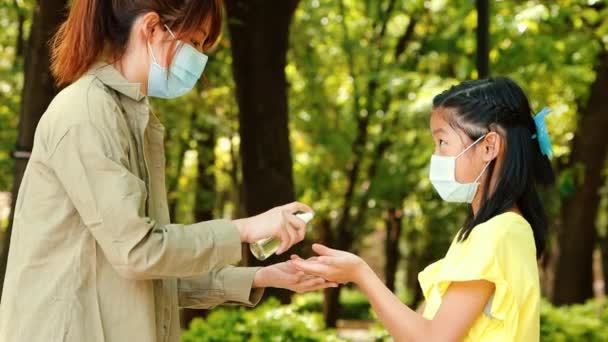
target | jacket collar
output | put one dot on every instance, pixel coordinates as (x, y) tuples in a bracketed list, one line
[(111, 77)]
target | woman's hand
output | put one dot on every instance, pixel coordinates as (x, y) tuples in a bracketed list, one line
[(277, 222), (332, 265), (286, 276)]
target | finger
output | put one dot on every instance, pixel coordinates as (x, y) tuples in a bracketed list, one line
[(294, 207), (312, 268), (316, 284), (327, 260), (308, 276), (301, 234), (284, 235), (293, 222), (323, 250), (285, 242), (295, 257), (291, 233), (311, 282)]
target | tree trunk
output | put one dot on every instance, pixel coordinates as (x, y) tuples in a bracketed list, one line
[(483, 38), (415, 261), (259, 31), (604, 253), (393, 234), (331, 305), (205, 196), (20, 29), (38, 90), (205, 184), (573, 281)]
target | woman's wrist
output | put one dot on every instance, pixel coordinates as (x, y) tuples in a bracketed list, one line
[(241, 226), (259, 280)]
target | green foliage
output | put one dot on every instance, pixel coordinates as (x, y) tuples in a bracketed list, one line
[(584, 322), (354, 305), (269, 322), (301, 321), (11, 82)]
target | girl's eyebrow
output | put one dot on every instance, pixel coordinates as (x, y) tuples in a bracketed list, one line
[(438, 130)]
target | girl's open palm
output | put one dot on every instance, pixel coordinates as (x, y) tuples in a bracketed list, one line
[(331, 264)]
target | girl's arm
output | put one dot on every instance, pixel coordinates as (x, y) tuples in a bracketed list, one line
[(461, 305)]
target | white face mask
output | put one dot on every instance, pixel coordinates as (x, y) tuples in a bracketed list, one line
[(443, 178)]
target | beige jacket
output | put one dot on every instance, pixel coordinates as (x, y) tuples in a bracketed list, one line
[(93, 256)]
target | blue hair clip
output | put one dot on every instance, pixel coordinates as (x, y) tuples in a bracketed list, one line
[(542, 134)]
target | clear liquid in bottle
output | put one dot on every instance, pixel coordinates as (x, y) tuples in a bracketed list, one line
[(262, 249)]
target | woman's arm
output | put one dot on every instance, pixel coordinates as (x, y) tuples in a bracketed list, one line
[(244, 285), (88, 162), (461, 305)]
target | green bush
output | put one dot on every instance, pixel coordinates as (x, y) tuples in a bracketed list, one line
[(583, 322), (355, 305), (268, 322), (302, 321)]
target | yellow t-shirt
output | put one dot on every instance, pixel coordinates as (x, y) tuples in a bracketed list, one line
[(501, 251)]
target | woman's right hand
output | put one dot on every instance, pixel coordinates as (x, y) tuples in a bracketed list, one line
[(277, 222)]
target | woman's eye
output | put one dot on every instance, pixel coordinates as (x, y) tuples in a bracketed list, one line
[(441, 142), (196, 43)]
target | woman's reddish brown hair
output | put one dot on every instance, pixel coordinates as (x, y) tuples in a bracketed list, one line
[(93, 25)]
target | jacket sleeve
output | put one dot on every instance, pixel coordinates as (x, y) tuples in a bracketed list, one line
[(90, 165), (227, 285)]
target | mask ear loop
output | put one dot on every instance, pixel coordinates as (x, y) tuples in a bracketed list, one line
[(485, 167), (473, 144), (170, 32), (151, 52), (482, 172)]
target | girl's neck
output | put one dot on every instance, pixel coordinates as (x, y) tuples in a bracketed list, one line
[(476, 205)]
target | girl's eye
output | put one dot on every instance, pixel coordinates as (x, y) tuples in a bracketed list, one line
[(196, 43), (441, 142)]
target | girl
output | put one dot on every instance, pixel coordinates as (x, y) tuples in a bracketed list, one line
[(491, 153), (93, 256)]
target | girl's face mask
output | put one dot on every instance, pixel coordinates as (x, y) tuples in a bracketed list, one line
[(443, 177)]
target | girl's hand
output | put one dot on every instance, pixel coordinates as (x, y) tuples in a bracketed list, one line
[(286, 276), (277, 222), (332, 265)]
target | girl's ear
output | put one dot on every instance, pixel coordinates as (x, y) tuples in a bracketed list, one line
[(491, 146)]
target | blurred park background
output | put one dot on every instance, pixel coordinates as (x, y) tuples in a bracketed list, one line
[(327, 102)]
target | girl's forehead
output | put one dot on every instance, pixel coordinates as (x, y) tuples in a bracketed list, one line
[(439, 118)]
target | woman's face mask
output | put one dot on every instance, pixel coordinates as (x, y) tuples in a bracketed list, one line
[(186, 68)]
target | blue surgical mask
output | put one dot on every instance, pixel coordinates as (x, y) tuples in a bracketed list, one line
[(186, 69), (443, 178)]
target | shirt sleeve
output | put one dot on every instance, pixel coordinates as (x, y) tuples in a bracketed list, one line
[(109, 200), (227, 285), (482, 256)]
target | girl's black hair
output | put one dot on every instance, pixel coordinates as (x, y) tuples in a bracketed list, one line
[(499, 104)]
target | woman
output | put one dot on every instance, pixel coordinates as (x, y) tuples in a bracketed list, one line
[(491, 153), (93, 256)]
